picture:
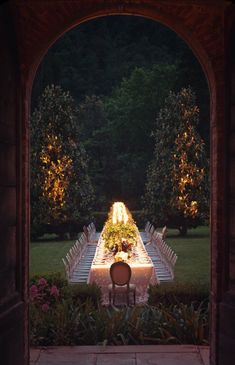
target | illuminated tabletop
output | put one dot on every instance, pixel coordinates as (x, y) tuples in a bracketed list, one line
[(142, 270)]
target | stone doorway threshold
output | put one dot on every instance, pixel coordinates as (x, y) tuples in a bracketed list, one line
[(120, 355)]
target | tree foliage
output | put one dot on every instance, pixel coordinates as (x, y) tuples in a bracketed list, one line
[(96, 136), (131, 111), (177, 187), (119, 70), (61, 191), (94, 57)]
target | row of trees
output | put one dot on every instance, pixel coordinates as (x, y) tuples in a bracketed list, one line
[(119, 71), (176, 189)]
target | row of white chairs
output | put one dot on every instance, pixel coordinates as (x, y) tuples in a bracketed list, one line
[(149, 229), (158, 239), (75, 253), (90, 232)]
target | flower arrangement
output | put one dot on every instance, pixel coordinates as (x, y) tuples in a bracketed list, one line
[(120, 232), (121, 256)]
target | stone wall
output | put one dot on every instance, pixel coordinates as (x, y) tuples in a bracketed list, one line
[(12, 309), (26, 33)]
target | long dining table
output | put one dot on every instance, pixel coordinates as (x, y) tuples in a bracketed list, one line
[(142, 270)]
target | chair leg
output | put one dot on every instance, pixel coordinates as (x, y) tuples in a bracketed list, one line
[(110, 298), (114, 296), (127, 297), (134, 296)]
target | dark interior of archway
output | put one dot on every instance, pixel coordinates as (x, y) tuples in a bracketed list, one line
[(91, 61)]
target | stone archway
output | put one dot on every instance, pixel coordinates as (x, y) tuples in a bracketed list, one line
[(28, 29)]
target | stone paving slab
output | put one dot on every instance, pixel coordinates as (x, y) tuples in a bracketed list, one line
[(34, 355), (116, 359), (204, 352), (66, 359), (169, 359), (121, 355)]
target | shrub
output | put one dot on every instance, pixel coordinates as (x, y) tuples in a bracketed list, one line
[(169, 293), (139, 218), (56, 309), (44, 299), (66, 230), (55, 278), (79, 293), (36, 230), (83, 324), (99, 219)]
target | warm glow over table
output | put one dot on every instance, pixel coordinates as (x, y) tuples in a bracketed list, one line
[(119, 213), (142, 268)]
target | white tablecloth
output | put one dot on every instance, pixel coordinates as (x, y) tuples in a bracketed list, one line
[(142, 270)]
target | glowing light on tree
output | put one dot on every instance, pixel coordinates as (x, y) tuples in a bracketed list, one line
[(177, 187), (187, 173), (57, 169), (61, 190)]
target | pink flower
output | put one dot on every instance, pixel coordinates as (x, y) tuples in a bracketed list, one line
[(45, 307), (54, 291), (33, 291), (42, 282)]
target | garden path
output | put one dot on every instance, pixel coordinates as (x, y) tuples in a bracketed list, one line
[(121, 355)]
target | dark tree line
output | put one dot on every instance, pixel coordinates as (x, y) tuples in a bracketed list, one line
[(119, 71), (93, 58)]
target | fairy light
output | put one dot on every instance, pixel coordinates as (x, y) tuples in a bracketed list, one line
[(56, 171), (186, 174)]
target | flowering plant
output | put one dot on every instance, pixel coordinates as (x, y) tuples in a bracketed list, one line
[(43, 295)]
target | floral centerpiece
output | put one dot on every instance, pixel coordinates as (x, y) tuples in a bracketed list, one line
[(120, 232), (121, 256)]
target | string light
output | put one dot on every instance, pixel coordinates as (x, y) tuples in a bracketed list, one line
[(186, 174), (56, 169)]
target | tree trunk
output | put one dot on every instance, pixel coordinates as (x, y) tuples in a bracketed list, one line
[(183, 229)]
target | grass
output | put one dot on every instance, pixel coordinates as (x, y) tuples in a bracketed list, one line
[(193, 251), (46, 256), (192, 266)]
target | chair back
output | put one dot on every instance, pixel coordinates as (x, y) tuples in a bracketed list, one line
[(120, 273), (164, 232)]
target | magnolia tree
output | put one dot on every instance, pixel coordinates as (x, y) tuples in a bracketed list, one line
[(177, 187), (61, 192)]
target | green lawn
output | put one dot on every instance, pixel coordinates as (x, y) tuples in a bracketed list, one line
[(192, 251), (46, 256)]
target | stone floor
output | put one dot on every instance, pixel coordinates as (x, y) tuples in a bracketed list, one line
[(121, 355)]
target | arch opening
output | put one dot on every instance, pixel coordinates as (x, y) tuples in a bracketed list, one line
[(204, 27)]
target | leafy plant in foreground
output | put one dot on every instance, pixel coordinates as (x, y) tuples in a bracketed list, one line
[(83, 324)]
